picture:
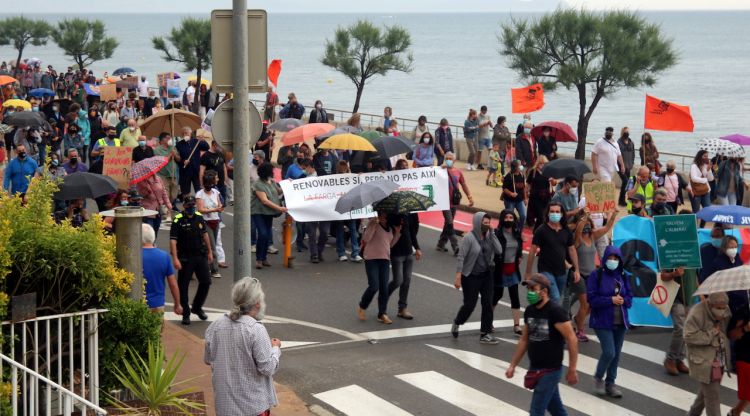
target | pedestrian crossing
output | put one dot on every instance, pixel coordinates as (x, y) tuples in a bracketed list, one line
[(511, 398)]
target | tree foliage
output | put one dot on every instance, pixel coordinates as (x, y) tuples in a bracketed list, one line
[(596, 53), (83, 40), (19, 32), (363, 50), (190, 46)]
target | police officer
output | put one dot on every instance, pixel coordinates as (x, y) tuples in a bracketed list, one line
[(189, 246)]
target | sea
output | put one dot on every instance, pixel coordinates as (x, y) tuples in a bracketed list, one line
[(457, 66)]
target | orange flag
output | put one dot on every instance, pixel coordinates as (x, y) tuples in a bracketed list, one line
[(274, 69), (527, 99), (663, 115)]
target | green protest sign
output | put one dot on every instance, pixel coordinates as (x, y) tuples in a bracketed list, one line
[(677, 241)]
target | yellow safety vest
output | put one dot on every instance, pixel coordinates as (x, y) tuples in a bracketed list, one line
[(647, 192), (103, 143)]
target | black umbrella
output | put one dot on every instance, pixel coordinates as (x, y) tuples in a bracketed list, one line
[(124, 71), (85, 185), (365, 194), (404, 202), (391, 146), (561, 168), (25, 119)]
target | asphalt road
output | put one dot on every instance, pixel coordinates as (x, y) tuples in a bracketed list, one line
[(334, 361)]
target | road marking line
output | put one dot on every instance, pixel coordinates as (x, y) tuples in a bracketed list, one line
[(354, 400), (292, 344), (657, 390), (430, 330), (460, 395), (576, 399), (657, 357), (446, 284)]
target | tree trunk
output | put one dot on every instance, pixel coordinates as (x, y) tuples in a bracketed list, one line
[(79, 61), (196, 98), (18, 61), (583, 123), (360, 88)]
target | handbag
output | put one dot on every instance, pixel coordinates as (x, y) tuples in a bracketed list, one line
[(699, 189), (456, 194), (532, 377)]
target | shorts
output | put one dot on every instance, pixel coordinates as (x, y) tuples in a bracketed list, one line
[(577, 289), (485, 143), (743, 380)]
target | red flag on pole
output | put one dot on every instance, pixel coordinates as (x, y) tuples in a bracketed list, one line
[(274, 69), (527, 99), (663, 115)]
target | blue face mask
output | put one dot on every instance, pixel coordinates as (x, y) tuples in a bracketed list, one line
[(716, 242), (612, 264), (141, 143), (449, 163), (555, 217), (527, 131)]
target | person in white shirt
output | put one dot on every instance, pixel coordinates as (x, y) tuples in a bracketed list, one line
[(143, 88), (190, 93), (606, 157), (701, 173)]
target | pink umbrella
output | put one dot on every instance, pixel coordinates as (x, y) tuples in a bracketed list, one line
[(561, 132), (738, 138), (146, 168)]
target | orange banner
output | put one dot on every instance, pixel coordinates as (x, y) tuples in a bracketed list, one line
[(527, 99), (274, 70), (663, 115)]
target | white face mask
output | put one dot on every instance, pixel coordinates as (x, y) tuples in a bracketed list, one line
[(731, 253), (425, 140), (132, 128), (169, 142), (186, 138), (574, 191)]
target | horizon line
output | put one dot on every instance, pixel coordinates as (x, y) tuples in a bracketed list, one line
[(384, 14)]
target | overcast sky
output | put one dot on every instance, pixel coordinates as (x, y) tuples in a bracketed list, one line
[(357, 6)]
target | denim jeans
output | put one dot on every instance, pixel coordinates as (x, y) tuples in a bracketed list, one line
[(556, 286), (377, 282), (700, 201), (341, 240), (401, 267), (520, 206), (264, 223), (546, 395), (611, 342), (728, 199)]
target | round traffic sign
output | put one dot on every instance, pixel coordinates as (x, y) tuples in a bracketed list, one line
[(222, 126)]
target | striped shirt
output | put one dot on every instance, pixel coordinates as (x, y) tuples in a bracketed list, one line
[(242, 363)]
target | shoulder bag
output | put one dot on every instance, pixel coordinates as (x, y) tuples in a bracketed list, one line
[(699, 189), (532, 377)]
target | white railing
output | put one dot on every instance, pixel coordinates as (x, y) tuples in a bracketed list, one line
[(58, 357)]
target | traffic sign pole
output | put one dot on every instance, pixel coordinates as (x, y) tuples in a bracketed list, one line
[(241, 140)]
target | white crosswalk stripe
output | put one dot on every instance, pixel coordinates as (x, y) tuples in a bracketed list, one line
[(354, 400), (460, 395)]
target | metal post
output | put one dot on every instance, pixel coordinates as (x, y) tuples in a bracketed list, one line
[(128, 241), (241, 139)]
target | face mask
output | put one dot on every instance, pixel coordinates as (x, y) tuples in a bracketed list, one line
[(449, 163), (716, 242), (111, 135), (186, 138), (318, 106), (507, 224), (555, 217), (625, 135), (636, 211), (527, 131), (445, 127), (608, 135), (574, 191), (717, 312), (131, 128), (256, 162), (670, 170), (35, 109), (124, 202), (586, 230), (169, 143), (533, 297), (55, 162), (485, 228), (612, 264), (10, 112), (21, 155), (731, 253), (659, 205), (190, 210), (38, 140), (425, 141), (54, 108), (73, 132), (142, 143)]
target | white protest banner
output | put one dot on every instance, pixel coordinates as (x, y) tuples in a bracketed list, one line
[(663, 295), (314, 199)]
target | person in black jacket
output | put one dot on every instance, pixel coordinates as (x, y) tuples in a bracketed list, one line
[(507, 265), (403, 254), (318, 114)]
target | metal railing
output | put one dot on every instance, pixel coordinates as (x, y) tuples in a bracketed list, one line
[(370, 121), (60, 352)]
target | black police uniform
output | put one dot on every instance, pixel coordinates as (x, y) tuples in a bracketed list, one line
[(188, 233)]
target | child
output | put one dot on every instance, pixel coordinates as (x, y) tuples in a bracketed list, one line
[(495, 163), (510, 155)]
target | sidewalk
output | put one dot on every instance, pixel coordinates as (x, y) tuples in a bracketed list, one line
[(177, 340)]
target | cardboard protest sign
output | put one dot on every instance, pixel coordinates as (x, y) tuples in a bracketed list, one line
[(117, 161), (173, 88), (600, 196), (161, 81), (677, 241), (108, 92), (663, 295)]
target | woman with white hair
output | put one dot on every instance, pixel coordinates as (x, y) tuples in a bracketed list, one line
[(243, 358)]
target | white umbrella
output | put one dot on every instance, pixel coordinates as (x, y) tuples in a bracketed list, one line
[(736, 278), (721, 147)]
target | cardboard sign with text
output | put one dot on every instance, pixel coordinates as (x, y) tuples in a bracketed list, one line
[(600, 196), (107, 92), (161, 81), (117, 161)]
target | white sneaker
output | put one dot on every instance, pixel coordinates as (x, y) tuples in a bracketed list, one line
[(343, 258), (358, 259), (273, 250), (252, 248), (469, 167)]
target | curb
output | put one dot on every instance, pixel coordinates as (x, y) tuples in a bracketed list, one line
[(473, 210)]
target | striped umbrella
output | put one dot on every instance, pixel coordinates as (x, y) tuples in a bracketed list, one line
[(736, 278), (146, 168)]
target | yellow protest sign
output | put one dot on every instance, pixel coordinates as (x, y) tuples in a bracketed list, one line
[(600, 196), (117, 161)]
